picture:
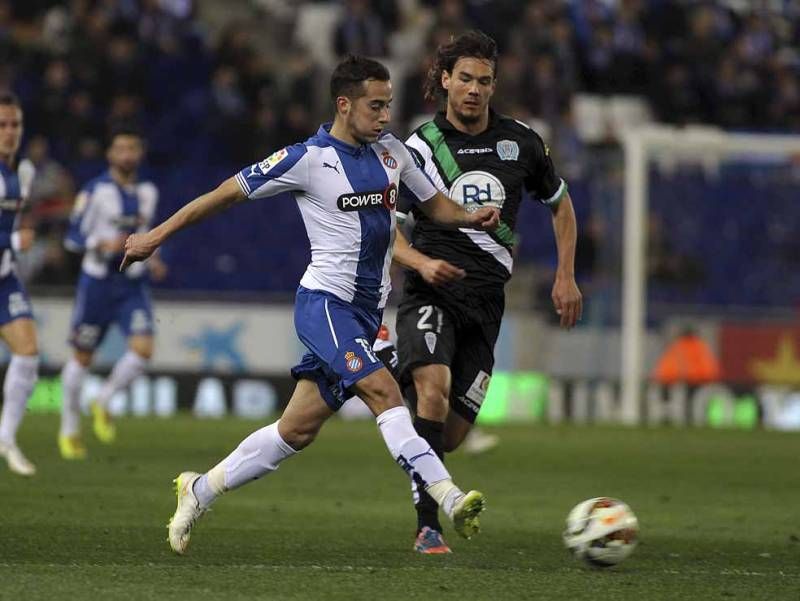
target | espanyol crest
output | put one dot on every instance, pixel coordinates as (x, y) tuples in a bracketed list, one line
[(508, 150)]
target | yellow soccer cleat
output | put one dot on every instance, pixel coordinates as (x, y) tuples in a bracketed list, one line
[(103, 425), (71, 447), (465, 513)]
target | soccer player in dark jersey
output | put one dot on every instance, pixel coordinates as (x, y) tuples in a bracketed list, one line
[(447, 329)]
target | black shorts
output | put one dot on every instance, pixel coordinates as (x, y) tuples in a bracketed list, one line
[(429, 333)]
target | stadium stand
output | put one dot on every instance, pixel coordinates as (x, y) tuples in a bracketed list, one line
[(214, 93)]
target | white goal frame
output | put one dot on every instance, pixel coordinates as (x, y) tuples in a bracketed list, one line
[(698, 145)]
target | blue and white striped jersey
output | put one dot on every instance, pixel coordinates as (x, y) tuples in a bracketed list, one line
[(14, 187), (105, 210), (347, 196)]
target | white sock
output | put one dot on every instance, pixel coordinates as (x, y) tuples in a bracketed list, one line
[(414, 454), (128, 367), (71, 382), (21, 376), (257, 455)]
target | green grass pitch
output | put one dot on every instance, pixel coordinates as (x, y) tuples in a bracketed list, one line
[(719, 514)]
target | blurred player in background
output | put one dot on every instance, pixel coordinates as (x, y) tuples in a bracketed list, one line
[(17, 327), (345, 181), (447, 330), (107, 210)]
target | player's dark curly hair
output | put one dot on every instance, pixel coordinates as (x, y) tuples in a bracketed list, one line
[(349, 74), (471, 44)]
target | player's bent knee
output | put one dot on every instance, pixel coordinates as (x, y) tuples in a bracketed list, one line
[(432, 386), (26, 350), (432, 405), (20, 336), (379, 391), (383, 400), (142, 346)]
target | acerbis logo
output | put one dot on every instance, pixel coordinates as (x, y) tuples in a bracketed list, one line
[(474, 150), (358, 201)]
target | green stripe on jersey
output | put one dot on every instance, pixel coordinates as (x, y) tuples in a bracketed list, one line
[(435, 138), (504, 234)]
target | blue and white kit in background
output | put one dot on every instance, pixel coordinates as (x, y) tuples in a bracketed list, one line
[(14, 187), (347, 196), (104, 211)]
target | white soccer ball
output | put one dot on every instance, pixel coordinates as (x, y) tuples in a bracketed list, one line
[(601, 531)]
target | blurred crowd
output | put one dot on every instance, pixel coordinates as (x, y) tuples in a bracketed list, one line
[(223, 82)]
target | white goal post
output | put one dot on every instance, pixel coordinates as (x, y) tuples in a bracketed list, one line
[(641, 144)]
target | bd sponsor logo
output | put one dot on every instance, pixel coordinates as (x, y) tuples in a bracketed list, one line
[(359, 201), (478, 188)]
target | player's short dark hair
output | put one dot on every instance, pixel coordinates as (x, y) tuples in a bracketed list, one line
[(10, 99), (123, 128), (470, 44), (352, 72)]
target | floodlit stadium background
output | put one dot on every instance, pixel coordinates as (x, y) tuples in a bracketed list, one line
[(217, 85)]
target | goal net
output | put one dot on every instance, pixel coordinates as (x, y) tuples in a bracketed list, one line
[(711, 247)]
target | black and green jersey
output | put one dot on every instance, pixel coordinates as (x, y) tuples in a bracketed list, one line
[(493, 168)]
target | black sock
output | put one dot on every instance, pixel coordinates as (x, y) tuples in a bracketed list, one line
[(427, 508)]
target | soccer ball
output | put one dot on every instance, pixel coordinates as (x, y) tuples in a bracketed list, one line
[(601, 531)]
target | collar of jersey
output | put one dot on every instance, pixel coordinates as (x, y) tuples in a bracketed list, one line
[(324, 133), (444, 125)]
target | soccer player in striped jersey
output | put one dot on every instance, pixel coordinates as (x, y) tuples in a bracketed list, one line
[(345, 181), (108, 209), (17, 328), (446, 331)]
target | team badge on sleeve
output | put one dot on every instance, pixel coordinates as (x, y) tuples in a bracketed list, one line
[(508, 150), (270, 161), (389, 160)]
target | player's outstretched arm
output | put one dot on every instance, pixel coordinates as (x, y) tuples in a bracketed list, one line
[(434, 271), (140, 246), (566, 295), (445, 211)]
